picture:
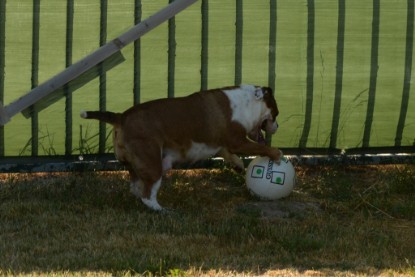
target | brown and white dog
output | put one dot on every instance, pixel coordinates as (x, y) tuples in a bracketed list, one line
[(150, 137)]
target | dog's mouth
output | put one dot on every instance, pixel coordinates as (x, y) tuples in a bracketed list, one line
[(257, 134)]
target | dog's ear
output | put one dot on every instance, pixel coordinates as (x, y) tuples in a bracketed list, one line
[(267, 90)]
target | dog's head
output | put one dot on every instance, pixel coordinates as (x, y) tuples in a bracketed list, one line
[(268, 122)]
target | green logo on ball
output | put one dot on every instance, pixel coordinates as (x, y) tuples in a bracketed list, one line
[(257, 171)]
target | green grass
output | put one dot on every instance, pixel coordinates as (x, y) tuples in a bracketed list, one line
[(89, 224)]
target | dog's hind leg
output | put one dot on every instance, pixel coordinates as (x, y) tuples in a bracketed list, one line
[(151, 201), (136, 185), (137, 188), (146, 172)]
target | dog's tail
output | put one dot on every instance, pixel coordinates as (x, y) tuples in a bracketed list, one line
[(107, 117)]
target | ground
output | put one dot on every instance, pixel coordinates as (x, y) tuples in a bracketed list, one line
[(346, 221)]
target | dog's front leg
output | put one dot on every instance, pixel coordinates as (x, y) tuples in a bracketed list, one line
[(232, 158), (246, 147), (146, 171)]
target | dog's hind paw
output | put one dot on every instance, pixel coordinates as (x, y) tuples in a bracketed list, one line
[(152, 204)]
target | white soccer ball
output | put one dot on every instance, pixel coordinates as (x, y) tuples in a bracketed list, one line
[(268, 180)]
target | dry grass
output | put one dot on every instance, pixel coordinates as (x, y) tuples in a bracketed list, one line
[(88, 224)]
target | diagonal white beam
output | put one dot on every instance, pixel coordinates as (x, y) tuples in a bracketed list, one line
[(99, 55)]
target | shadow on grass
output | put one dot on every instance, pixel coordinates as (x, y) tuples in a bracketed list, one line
[(89, 222)]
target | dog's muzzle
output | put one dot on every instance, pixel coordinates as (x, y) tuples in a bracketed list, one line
[(271, 126)]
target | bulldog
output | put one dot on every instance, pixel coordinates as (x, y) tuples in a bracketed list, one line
[(150, 137)]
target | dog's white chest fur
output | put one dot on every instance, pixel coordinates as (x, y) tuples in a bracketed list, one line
[(200, 151)]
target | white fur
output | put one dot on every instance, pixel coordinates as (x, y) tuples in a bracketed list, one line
[(167, 163), (196, 152), (152, 201), (248, 109), (200, 151)]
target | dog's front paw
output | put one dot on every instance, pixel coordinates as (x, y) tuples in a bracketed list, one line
[(276, 155)]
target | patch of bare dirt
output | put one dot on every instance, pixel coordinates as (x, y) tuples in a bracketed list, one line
[(283, 208)]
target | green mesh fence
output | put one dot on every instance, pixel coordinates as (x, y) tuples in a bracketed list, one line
[(341, 70)]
